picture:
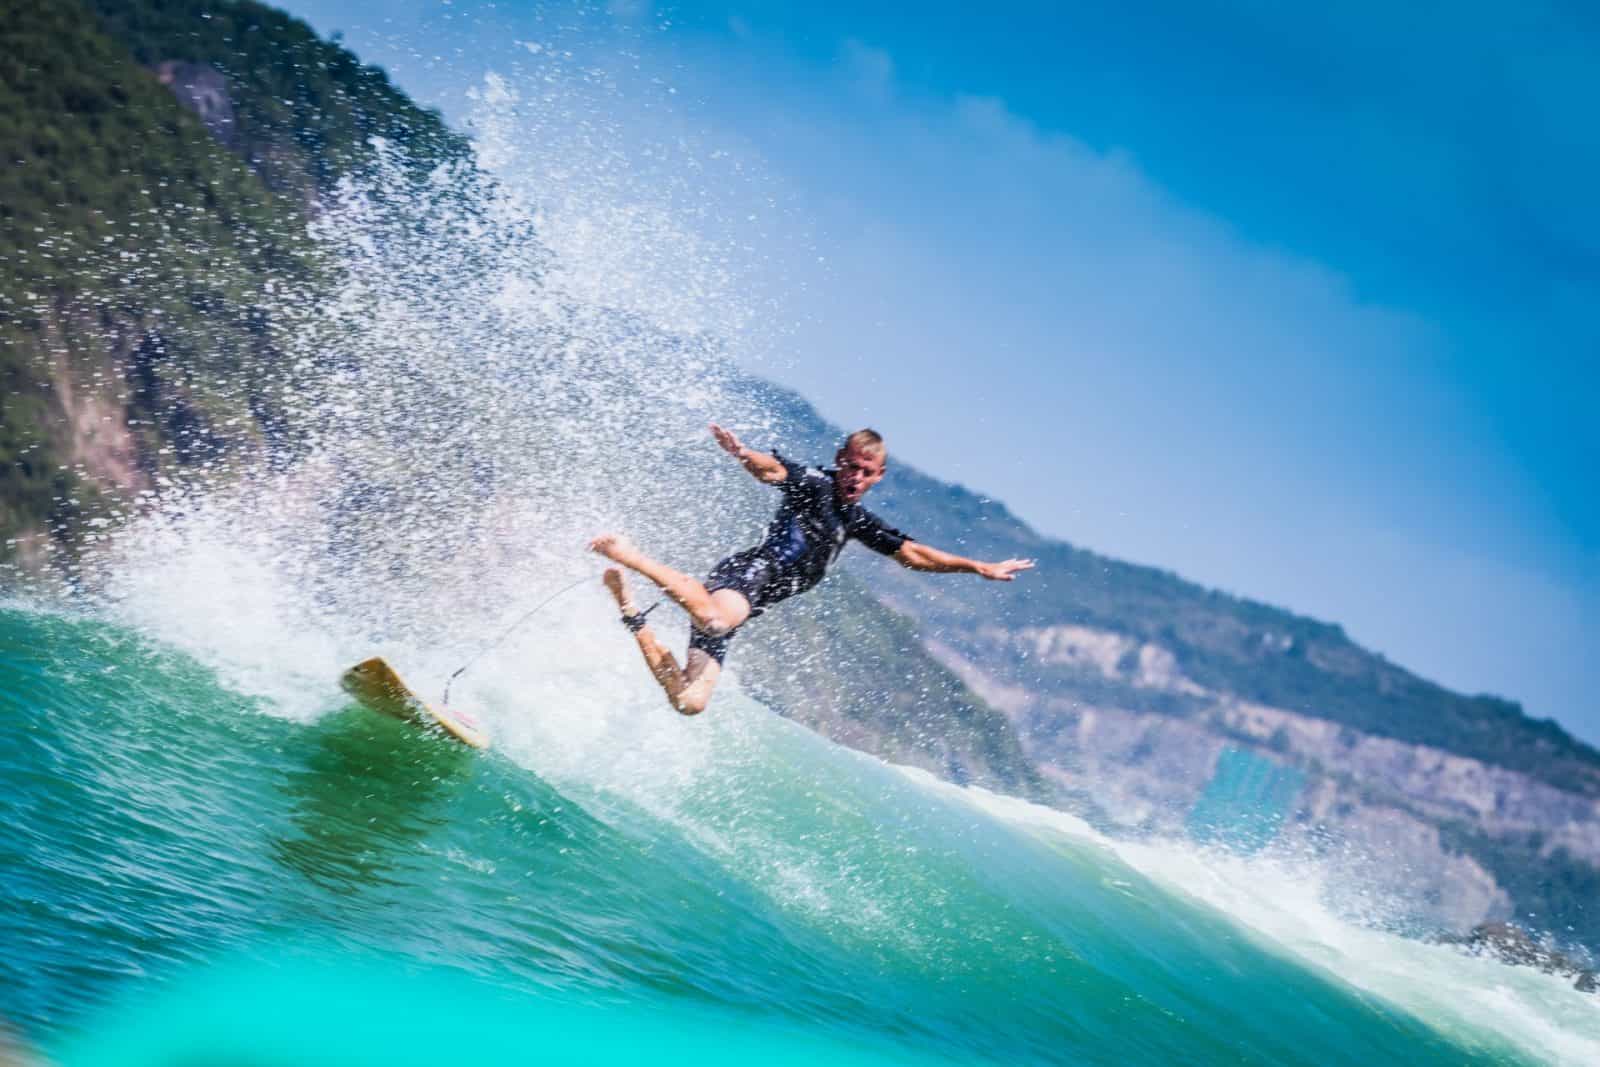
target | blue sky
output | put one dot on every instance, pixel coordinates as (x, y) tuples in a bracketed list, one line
[(1299, 303)]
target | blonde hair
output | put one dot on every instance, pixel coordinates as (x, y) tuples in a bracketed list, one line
[(869, 441)]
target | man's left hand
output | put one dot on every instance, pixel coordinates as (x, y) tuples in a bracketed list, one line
[(1005, 570)]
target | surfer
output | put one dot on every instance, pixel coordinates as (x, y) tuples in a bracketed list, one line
[(820, 511)]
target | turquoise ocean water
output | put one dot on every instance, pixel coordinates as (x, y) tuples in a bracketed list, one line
[(725, 889)]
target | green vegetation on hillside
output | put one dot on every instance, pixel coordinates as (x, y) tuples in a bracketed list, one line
[(141, 260), (305, 109), (131, 249)]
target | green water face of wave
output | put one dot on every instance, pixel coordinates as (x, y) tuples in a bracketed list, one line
[(384, 897)]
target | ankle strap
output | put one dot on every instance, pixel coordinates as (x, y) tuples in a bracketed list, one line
[(636, 621)]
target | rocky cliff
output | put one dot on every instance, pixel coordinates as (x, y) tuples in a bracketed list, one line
[(1384, 814)]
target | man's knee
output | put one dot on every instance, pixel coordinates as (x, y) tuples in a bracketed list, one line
[(694, 696), (714, 624), (725, 612), (691, 703)]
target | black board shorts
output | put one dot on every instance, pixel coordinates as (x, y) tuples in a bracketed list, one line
[(754, 575)]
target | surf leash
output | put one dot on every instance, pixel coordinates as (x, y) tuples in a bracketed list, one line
[(509, 631)]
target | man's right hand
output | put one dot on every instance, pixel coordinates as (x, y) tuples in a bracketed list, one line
[(761, 466), (730, 444)]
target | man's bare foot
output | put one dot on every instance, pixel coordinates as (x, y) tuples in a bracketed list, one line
[(618, 585), (615, 547)]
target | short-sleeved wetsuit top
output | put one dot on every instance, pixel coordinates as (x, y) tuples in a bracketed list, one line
[(802, 541)]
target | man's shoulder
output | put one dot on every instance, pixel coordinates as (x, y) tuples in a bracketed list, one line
[(862, 516), (872, 531), (799, 471), (803, 475)]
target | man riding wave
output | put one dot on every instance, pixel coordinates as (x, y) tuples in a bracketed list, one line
[(820, 511)]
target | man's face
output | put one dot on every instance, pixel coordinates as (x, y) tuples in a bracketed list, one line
[(859, 470)]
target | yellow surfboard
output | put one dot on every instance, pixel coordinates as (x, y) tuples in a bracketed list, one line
[(376, 685)]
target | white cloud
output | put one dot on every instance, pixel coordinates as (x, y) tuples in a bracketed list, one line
[(630, 10), (871, 69)]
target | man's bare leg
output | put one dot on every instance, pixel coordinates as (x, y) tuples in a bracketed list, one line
[(688, 689), (715, 613)]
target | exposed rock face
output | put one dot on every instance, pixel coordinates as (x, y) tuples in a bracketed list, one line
[(1432, 783), (1512, 944), (1143, 769), (1394, 861), (203, 89), (1377, 810), (1114, 657), (94, 425)]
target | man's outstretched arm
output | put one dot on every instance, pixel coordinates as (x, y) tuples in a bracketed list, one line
[(767, 468), (927, 558)]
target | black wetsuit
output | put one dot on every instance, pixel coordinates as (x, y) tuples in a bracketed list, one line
[(804, 538)]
